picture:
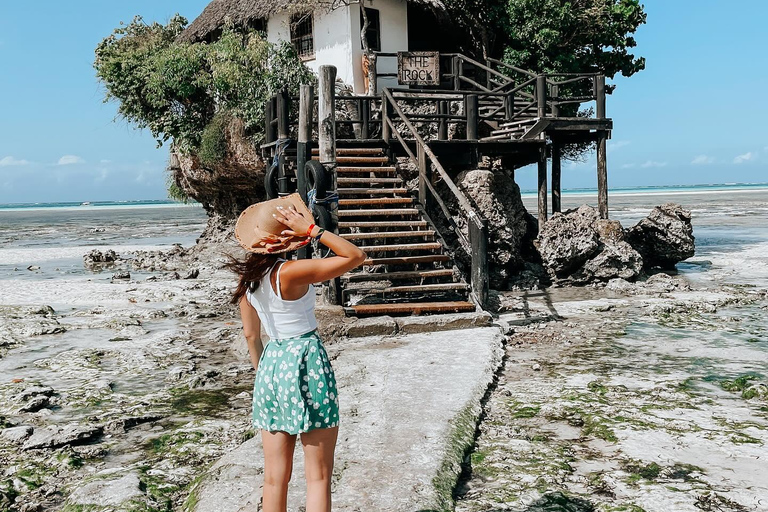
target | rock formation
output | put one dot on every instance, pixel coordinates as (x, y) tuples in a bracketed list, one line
[(229, 186), (497, 199), (577, 246), (665, 237)]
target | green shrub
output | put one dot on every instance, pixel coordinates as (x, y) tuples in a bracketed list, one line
[(213, 143)]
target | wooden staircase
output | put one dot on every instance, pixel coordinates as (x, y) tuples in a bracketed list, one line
[(407, 270)]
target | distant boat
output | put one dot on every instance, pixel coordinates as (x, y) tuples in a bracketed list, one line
[(86, 203)]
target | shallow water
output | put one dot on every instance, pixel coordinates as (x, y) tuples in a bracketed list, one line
[(56, 238)]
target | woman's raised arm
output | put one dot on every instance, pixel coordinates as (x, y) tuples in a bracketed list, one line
[(302, 272)]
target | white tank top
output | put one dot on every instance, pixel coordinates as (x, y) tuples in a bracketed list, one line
[(283, 318)]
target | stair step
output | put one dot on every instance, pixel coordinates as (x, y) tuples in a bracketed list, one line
[(353, 151), (372, 191), (342, 181), (353, 169), (406, 260), (383, 224), (359, 159), (424, 246), (371, 213), (392, 276), (375, 201), (413, 307), (437, 287), (388, 234)]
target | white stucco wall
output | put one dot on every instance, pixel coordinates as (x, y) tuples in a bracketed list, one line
[(332, 40), (337, 39), (393, 16)]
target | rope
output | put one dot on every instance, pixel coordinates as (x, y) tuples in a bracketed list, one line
[(280, 146), (330, 198)]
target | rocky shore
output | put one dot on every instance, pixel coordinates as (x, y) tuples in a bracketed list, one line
[(124, 389), (130, 388), (637, 397)]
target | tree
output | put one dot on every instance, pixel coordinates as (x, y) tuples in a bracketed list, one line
[(573, 36), (176, 89)]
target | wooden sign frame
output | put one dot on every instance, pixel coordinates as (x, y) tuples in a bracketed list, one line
[(418, 68)]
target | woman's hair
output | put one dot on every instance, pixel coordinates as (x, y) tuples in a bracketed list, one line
[(250, 270)]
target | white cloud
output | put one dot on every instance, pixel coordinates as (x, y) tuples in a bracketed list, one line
[(70, 160), (652, 163), (703, 160), (614, 145), (105, 161), (9, 160), (627, 166), (746, 157)]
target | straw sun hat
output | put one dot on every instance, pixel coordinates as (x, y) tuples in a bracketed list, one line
[(258, 231)]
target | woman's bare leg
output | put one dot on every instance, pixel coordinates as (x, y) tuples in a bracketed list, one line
[(278, 464), (319, 446)]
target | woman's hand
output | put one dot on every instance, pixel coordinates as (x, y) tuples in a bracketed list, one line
[(291, 218)]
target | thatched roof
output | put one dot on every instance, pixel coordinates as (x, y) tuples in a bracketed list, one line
[(245, 12)]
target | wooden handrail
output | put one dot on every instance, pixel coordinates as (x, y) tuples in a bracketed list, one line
[(514, 68), (478, 231), (463, 202)]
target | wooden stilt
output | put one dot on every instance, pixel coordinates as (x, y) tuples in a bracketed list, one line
[(556, 168), (542, 187), (326, 113), (602, 137), (602, 176), (304, 150)]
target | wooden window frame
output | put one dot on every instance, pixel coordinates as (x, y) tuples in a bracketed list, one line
[(299, 40)]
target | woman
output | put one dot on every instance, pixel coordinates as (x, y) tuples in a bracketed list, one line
[(295, 387)]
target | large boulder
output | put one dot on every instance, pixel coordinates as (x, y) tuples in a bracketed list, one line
[(665, 237), (496, 198), (228, 186), (579, 247)]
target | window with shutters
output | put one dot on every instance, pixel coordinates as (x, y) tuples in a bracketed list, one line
[(302, 35)]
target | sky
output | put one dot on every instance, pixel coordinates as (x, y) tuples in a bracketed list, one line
[(695, 115)]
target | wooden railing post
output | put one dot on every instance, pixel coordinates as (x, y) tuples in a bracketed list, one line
[(470, 107), (442, 127), (365, 117), (386, 132), (555, 104), (425, 175), (270, 130), (304, 151), (509, 105), (541, 95), (600, 96), (326, 112), (478, 241), (282, 115), (458, 70)]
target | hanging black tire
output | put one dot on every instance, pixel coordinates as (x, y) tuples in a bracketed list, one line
[(322, 216), (317, 178), (270, 181)]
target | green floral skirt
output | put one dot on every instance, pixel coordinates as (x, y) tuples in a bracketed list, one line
[(295, 388)]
